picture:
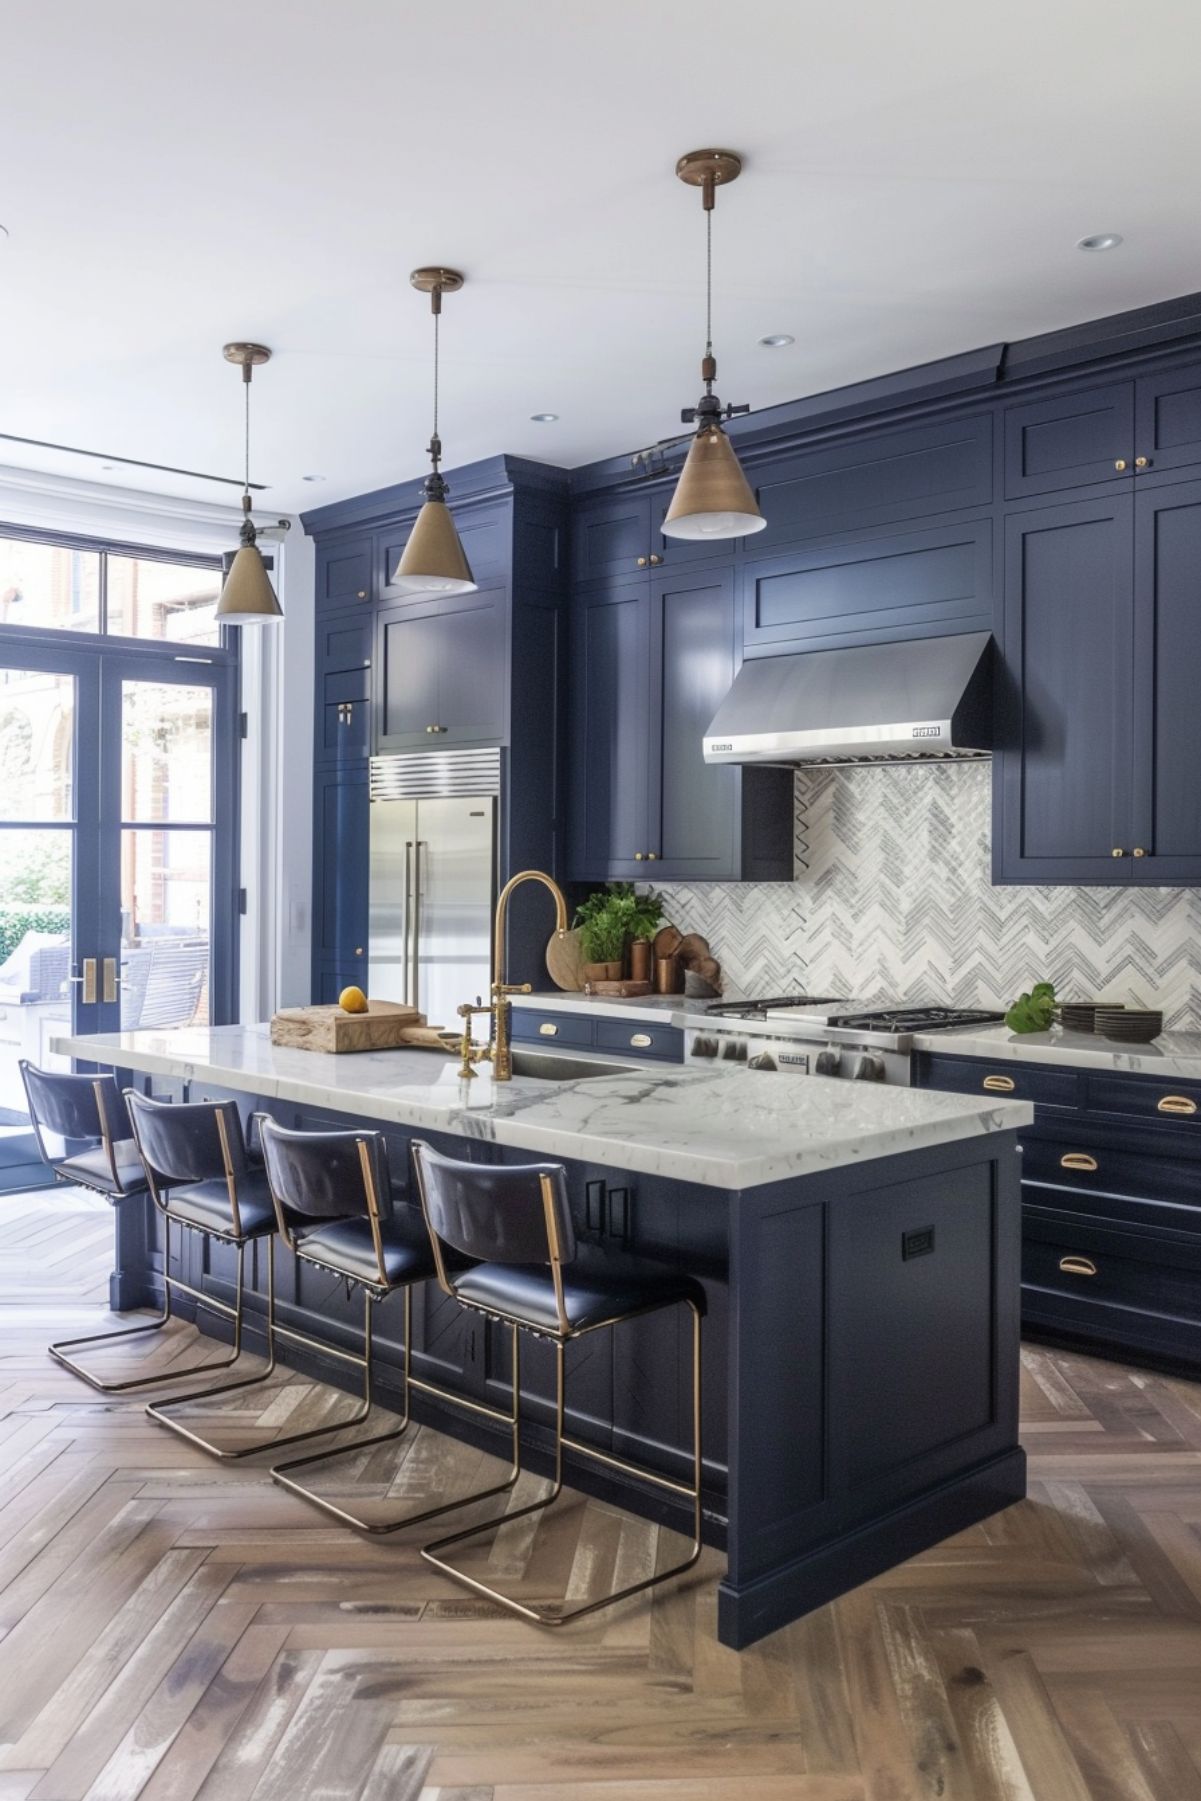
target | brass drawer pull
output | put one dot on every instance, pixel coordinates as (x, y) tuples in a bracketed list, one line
[(1077, 1160), (1176, 1103), (548, 1030), (1077, 1266), (999, 1084), (641, 1040)]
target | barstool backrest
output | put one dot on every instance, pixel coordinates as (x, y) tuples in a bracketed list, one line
[(80, 1111), (188, 1141), (325, 1175), (496, 1213)]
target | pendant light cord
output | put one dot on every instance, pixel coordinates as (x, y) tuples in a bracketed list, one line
[(709, 286), (437, 323), (246, 482)]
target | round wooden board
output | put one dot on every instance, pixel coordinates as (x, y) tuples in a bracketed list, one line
[(565, 962)]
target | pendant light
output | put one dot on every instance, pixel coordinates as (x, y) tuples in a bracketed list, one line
[(247, 595), (434, 561), (713, 498)]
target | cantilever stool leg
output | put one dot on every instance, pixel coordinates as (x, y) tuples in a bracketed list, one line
[(515, 1222)]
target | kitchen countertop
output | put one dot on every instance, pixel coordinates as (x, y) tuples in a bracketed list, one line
[(1172, 1054), (725, 1128)]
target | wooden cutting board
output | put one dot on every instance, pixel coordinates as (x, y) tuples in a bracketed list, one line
[(381, 1028), (565, 961)]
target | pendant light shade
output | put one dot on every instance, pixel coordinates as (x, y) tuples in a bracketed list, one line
[(434, 561), (247, 595), (713, 498)]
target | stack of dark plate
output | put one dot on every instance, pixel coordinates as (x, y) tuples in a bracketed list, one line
[(1128, 1025), (1081, 1016)]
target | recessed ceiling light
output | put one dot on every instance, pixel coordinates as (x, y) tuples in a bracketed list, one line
[(543, 418), (1101, 240), (777, 340), (312, 478)]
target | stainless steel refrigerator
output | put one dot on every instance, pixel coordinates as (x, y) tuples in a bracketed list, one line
[(432, 883)]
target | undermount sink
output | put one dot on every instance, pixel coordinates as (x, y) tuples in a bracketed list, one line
[(553, 1066)]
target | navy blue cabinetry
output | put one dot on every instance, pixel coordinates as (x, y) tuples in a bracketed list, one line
[(441, 672), (651, 660), (611, 538), (1070, 440), (485, 533), (344, 570), (869, 590), (1111, 1203), (340, 826), (343, 683), (1167, 420), (1102, 734)]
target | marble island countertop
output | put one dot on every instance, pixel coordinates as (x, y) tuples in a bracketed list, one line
[(726, 1128)]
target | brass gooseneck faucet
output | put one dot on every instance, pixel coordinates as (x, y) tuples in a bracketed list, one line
[(498, 1052)]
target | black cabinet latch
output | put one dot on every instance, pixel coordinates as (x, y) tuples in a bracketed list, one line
[(918, 1243)]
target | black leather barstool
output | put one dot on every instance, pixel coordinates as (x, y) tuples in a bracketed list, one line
[(334, 1207), (514, 1224), (85, 1116), (202, 1179)]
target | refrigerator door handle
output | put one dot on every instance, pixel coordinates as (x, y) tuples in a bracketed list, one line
[(408, 916), (415, 994)]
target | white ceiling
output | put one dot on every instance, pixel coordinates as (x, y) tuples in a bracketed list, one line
[(916, 179)]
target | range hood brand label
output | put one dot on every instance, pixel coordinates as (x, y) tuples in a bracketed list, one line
[(713, 745), (927, 731)]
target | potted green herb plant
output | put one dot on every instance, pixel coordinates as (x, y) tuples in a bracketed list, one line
[(604, 926)]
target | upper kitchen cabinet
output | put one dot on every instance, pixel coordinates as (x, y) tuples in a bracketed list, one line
[(484, 532), (651, 660), (1102, 739), (1167, 656), (875, 479), (441, 672), (870, 590), (1070, 441), (344, 571), (622, 535), (1067, 732), (1167, 420)]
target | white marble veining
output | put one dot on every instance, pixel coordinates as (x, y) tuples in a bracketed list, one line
[(1171, 1054), (726, 1128)]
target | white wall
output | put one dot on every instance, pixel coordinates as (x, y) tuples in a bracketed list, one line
[(277, 694)]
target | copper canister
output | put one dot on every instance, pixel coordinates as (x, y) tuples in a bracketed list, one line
[(667, 975)]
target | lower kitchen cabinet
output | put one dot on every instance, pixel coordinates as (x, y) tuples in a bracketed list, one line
[(651, 660), (625, 1038), (1111, 1204)]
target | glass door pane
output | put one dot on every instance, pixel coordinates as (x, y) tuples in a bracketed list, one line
[(37, 856), (166, 852)]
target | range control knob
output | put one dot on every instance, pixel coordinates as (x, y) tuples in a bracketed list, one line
[(828, 1063), (870, 1069), (761, 1060), (734, 1050), (704, 1047)]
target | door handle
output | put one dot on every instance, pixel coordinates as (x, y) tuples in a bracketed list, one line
[(112, 980), (87, 981), (415, 994), (408, 919)]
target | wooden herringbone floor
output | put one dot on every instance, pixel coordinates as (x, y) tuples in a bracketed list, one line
[(173, 1628)]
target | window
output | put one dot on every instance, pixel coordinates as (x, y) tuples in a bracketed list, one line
[(68, 587)]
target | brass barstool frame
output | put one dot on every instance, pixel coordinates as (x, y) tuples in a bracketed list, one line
[(560, 1339), (60, 1349), (374, 1294)]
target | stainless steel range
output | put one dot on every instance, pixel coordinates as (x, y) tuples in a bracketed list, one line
[(815, 1035)]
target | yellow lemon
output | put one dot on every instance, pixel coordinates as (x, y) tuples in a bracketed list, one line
[(352, 1000)]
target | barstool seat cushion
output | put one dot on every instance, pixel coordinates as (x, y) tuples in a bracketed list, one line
[(206, 1204), (348, 1246), (93, 1170), (526, 1292)]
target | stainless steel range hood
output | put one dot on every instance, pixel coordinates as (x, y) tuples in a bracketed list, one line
[(925, 699)]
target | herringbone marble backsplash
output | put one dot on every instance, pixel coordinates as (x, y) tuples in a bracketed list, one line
[(892, 901)]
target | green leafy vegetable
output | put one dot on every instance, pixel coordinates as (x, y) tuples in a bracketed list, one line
[(1033, 1012)]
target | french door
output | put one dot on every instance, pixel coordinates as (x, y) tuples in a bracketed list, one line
[(118, 817)]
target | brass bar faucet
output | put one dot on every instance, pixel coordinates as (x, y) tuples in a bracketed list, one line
[(501, 1057)]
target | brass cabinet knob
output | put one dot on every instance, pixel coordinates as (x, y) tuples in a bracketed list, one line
[(1117, 851), (640, 1041), (1142, 462), (642, 562), (1077, 1266), (999, 1084), (358, 950), (1175, 1103), (547, 1030), (435, 728), (362, 594), (655, 560), (1120, 464), (650, 856), (1077, 1160), (637, 856), (1139, 851)]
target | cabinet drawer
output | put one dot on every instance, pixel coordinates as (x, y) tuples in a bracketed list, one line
[(1008, 1081), (1104, 1267), (1169, 1102), (553, 1028), (635, 1037), (1081, 1164)]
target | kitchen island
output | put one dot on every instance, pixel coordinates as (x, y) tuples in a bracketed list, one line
[(858, 1246)]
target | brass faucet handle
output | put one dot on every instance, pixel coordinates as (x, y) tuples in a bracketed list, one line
[(499, 988)]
